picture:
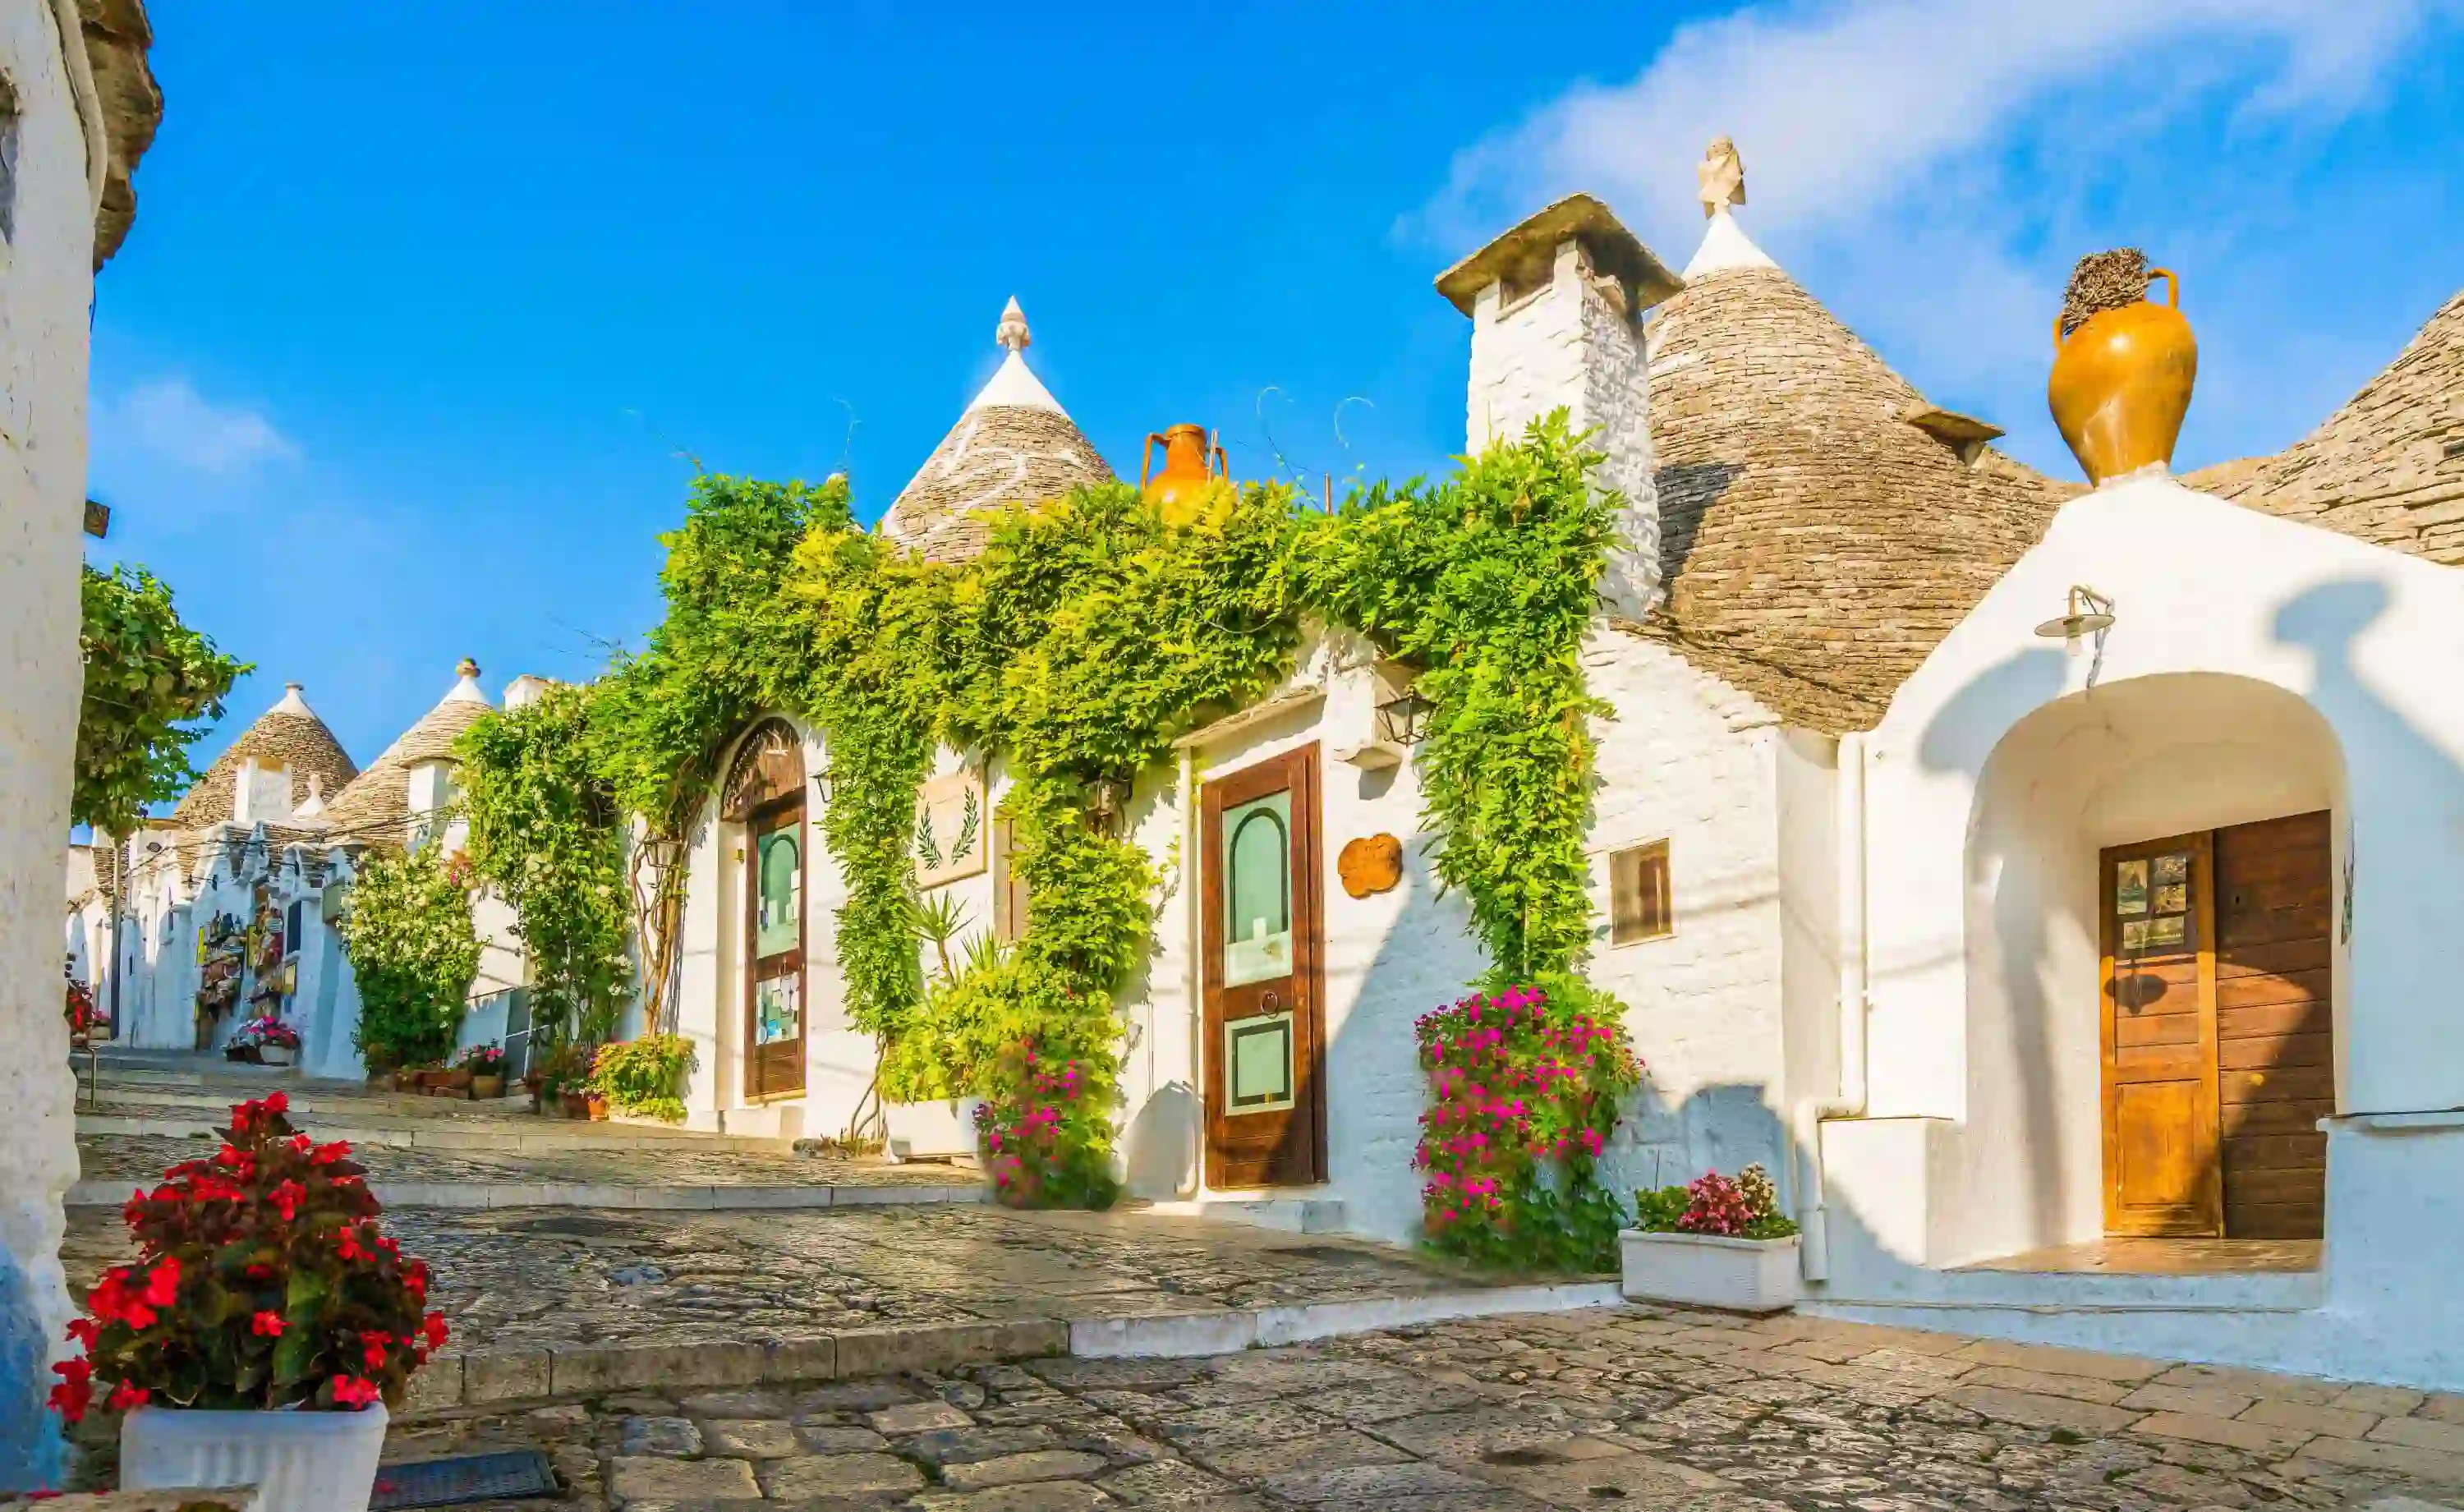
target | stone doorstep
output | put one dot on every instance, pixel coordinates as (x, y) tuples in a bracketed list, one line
[(482, 1194), (491, 1378)]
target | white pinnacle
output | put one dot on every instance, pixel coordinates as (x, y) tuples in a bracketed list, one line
[(1012, 331)]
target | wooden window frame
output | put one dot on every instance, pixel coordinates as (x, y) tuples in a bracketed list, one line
[(1633, 869)]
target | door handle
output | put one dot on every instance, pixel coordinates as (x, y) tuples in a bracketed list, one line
[(1270, 999)]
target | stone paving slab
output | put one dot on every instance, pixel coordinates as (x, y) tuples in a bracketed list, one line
[(1603, 1408)]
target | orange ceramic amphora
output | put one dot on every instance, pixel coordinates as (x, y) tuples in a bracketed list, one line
[(2122, 384), (1191, 464)]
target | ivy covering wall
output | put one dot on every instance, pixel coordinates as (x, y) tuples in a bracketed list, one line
[(1078, 646)]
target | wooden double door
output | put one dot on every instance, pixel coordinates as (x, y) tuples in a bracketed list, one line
[(765, 794), (1264, 1046), (2218, 1030)]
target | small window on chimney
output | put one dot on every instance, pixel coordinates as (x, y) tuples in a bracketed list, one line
[(1526, 277), (1638, 903)]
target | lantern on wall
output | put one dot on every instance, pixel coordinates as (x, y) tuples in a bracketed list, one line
[(1405, 719)]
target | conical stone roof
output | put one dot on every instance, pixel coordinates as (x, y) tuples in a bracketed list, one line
[(376, 806), (1815, 542), (288, 734), (1013, 444), (2389, 467)]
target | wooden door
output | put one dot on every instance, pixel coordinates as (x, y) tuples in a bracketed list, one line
[(1264, 1050), (2161, 1159), (774, 930), (2276, 1041)]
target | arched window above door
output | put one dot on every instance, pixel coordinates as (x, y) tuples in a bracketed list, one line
[(768, 766)]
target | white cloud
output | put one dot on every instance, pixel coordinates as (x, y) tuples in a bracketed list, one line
[(169, 419), (1842, 108)]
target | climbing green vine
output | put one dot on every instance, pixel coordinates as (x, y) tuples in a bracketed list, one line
[(413, 952), (1085, 638), (546, 832)]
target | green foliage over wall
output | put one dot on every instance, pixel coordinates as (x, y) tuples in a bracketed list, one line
[(1077, 647), (152, 688), (413, 952), (546, 832)]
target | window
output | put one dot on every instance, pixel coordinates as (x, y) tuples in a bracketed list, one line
[(1010, 896), (8, 160), (291, 926), (1638, 903)]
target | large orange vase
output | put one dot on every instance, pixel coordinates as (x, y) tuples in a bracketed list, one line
[(2122, 384), (1190, 465)]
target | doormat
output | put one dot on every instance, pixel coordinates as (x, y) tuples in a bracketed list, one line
[(466, 1478)]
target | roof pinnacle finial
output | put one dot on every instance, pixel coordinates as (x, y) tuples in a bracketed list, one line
[(1722, 177), (466, 668), (1012, 332)]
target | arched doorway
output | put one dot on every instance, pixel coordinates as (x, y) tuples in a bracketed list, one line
[(765, 794), (2153, 961)]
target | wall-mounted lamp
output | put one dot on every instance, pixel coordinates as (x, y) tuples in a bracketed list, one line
[(1405, 719), (1107, 798), (2085, 612)]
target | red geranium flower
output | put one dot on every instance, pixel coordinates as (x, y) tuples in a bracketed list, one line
[(266, 1326), (76, 1391), (349, 1391), (126, 1396)]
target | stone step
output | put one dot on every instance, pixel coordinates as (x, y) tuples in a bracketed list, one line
[(485, 1377), (695, 1199)]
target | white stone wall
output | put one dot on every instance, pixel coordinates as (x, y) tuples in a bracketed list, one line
[(46, 285), (1573, 343), (1981, 962), (1692, 761)]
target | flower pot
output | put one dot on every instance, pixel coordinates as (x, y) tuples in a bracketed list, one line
[(2122, 382), (487, 1088), (238, 1052), (596, 1106), (456, 1079), (1705, 1270), (300, 1461), (275, 1054), (931, 1130), (574, 1104)]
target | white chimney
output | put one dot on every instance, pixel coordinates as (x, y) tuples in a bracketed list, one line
[(1556, 310)]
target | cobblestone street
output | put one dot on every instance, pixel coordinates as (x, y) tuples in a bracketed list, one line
[(1626, 1407), (130, 1158)]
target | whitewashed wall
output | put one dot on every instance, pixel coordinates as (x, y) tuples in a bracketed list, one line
[(46, 286), (1692, 761), (2256, 662)]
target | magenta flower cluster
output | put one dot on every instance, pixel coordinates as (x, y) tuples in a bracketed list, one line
[(1515, 1079), (1716, 1205), (1041, 1136)]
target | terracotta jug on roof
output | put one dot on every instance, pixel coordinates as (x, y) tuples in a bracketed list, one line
[(1192, 462), (2121, 383)]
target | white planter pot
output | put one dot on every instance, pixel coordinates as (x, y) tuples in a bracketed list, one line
[(275, 1054), (931, 1130), (300, 1461), (1704, 1270)]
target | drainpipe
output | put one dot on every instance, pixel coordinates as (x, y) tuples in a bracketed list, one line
[(1193, 982), (1813, 1219)]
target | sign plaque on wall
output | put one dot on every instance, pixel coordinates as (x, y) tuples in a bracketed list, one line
[(953, 829)]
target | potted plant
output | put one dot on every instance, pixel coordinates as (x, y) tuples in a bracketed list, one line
[(1715, 1243), (452, 1081), (275, 1042), (561, 1071), (264, 1328), (486, 1063), (642, 1077)]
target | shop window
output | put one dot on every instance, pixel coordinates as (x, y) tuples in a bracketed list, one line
[(1639, 906)]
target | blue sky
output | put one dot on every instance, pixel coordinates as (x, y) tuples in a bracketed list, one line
[(425, 305)]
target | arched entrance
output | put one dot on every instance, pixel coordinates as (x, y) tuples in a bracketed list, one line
[(2153, 963), (765, 794)]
